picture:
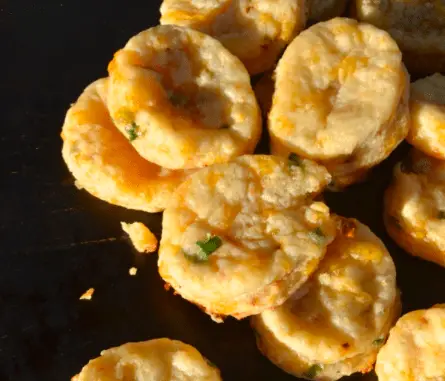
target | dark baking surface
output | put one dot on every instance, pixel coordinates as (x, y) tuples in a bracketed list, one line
[(56, 241)]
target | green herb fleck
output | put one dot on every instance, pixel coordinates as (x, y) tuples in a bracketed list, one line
[(133, 131), (313, 371), (294, 160), (210, 245), (178, 100), (317, 236), (378, 342), (441, 215), (205, 249)]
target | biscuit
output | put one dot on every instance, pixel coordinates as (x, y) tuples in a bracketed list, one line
[(183, 100), (414, 211), (415, 348), (418, 26), (427, 106), (341, 98), (154, 360), (105, 164), (241, 237), (335, 324), (255, 31)]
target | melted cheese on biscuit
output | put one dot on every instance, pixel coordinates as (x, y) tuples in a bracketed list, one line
[(416, 348), (186, 99), (103, 161), (415, 24), (154, 360), (340, 98), (272, 233), (336, 319), (418, 26), (427, 105), (256, 31), (415, 207)]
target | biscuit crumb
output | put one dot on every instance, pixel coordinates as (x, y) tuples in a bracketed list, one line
[(133, 271), (88, 295), (141, 237)]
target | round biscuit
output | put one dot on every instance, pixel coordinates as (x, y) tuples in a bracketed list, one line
[(335, 324), (267, 234), (186, 98), (105, 164)]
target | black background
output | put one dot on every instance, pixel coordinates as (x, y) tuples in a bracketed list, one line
[(56, 241)]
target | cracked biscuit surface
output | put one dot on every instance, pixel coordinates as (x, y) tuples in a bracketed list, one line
[(256, 31), (418, 26), (240, 237), (154, 360), (187, 100), (335, 324), (427, 106), (415, 348), (103, 161), (415, 207), (341, 98)]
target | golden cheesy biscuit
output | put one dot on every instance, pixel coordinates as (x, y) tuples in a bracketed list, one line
[(322, 10), (418, 26), (154, 360), (335, 324), (415, 207), (103, 161), (415, 349), (341, 98), (183, 99), (240, 237), (427, 106), (256, 31)]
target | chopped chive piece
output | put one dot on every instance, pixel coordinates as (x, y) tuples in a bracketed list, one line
[(210, 245), (378, 342), (317, 236), (294, 160), (133, 131), (313, 371), (206, 248), (441, 215)]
